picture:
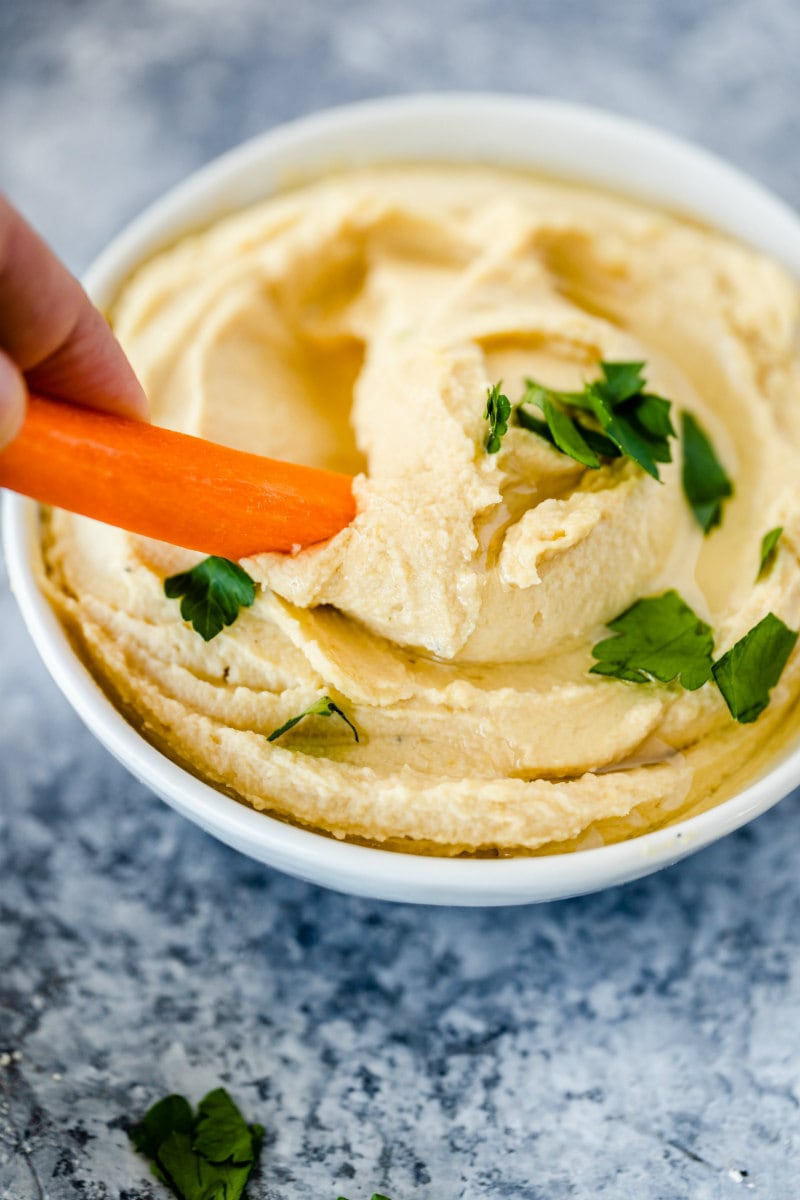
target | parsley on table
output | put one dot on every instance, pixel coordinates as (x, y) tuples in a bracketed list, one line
[(748, 672), (497, 413), (324, 707), (657, 638), (208, 1156), (213, 592), (705, 482), (769, 549), (611, 417)]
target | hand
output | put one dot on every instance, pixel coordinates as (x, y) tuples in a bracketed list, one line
[(52, 338)]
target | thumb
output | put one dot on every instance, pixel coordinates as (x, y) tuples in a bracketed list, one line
[(12, 400), (53, 332)]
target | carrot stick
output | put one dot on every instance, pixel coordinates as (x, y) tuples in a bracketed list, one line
[(170, 486)]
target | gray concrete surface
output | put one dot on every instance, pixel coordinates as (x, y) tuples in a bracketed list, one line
[(643, 1043)]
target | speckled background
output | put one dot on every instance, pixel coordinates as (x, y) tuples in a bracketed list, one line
[(642, 1043)]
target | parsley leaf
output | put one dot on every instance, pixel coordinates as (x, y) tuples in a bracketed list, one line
[(657, 638), (203, 1157), (631, 422), (193, 1177), (171, 1115), (769, 549), (566, 434), (638, 422), (623, 379), (602, 446), (661, 638), (705, 483), (220, 1130), (213, 592), (748, 672), (324, 707), (497, 413)]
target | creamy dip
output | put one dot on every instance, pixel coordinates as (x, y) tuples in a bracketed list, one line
[(356, 324)]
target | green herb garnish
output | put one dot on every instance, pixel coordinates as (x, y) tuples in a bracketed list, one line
[(324, 707), (213, 592), (705, 483), (661, 638), (657, 638), (599, 445), (612, 416), (497, 413), (562, 430), (204, 1157), (769, 549), (748, 672)]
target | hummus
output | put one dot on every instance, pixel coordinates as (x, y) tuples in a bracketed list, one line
[(357, 324)]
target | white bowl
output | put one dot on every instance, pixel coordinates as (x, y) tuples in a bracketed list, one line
[(545, 135)]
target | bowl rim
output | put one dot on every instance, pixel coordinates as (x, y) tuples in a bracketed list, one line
[(255, 167)]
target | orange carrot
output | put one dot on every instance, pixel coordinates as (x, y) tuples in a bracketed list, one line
[(170, 486)]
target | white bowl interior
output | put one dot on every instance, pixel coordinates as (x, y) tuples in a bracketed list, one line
[(544, 135)]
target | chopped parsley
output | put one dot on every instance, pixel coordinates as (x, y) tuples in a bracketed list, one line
[(705, 482), (613, 416), (207, 1156), (657, 638), (559, 428), (213, 592), (324, 707), (748, 672), (497, 413), (638, 422), (661, 638), (769, 550)]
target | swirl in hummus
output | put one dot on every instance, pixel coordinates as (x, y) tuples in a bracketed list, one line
[(356, 324)]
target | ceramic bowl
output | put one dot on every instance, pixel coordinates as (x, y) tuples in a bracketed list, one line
[(544, 135)]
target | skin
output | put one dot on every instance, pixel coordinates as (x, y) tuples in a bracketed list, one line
[(52, 338)]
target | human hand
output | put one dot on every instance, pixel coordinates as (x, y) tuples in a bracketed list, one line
[(52, 338)]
